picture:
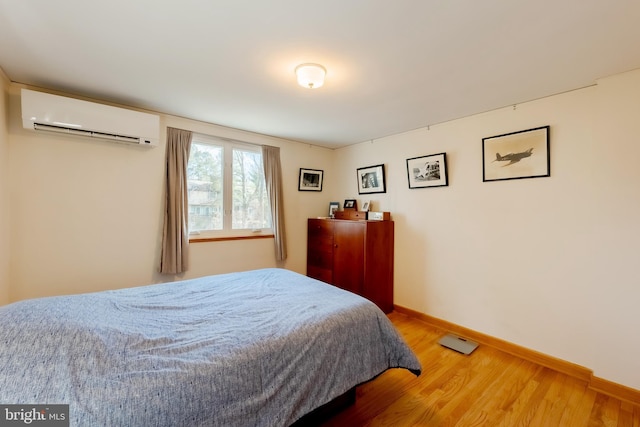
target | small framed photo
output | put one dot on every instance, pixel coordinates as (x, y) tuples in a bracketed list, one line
[(516, 155), (350, 204), (310, 180), (427, 171), (365, 206), (333, 208), (371, 179)]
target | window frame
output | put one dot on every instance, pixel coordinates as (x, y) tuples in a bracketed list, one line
[(227, 232)]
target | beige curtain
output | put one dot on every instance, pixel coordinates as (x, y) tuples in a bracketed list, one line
[(175, 237), (273, 179)]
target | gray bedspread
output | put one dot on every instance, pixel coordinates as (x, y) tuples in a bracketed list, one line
[(258, 348)]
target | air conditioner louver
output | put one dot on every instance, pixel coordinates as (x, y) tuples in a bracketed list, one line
[(88, 133), (53, 113)]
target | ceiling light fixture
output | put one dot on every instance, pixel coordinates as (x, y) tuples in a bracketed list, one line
[(310, 75)]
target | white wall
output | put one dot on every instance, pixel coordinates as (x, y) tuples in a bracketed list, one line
[(615, 231), (87, 215), (4, 190), (546, 263)]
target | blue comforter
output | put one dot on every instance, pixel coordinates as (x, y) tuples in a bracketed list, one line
[(258, 348)]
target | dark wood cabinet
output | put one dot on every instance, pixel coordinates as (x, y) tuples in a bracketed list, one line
[(354, 255)]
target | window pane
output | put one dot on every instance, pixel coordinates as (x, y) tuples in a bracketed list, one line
[(204, 184), (250, 204)]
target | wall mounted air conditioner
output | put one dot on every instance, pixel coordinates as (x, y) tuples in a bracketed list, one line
[(53, 113)]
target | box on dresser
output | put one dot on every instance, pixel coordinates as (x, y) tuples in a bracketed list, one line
[(350, 214)]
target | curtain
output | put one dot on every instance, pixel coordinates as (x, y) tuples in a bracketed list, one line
[(273, 179), (175, 237)]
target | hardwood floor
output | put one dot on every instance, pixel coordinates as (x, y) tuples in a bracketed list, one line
[(486, 388)]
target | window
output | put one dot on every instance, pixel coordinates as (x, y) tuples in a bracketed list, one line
[(226, 189)]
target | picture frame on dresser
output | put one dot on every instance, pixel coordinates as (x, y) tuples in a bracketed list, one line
[(350, 204), (371, 179), (333, 208)]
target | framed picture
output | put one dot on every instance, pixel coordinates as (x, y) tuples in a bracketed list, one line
[(310, 180), (365, 206), (371, 179), (333, 207), (427, 171), (350, 204), (516, 155)]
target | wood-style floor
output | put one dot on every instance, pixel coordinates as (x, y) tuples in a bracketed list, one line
[(486, 388)]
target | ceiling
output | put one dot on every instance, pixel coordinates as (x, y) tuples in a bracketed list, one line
[(392, 66)]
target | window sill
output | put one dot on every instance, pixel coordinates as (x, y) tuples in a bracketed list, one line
[(195, 239)]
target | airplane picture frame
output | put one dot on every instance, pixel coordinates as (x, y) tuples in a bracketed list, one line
[(516, 155), (427, 171)]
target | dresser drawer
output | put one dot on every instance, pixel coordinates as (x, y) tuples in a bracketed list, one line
[(322, 274), (320, 258), (320, 232), (351, 214), (320, 228)]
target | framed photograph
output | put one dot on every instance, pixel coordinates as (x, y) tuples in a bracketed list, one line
[(365, 206), (333, 207), (371, 179), (350, 204), (516, 155), (310, 180), (427, 171)]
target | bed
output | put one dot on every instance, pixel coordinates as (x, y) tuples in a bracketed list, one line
[(256, 348)]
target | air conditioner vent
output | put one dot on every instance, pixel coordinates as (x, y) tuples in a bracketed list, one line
[(88, 133)]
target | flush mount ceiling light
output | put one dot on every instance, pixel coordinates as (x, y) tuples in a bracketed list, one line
[(310, 75)]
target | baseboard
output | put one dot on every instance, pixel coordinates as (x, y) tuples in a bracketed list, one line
[(580, 372), (614, 389)]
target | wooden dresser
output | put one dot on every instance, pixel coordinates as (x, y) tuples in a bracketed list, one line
[(356, 255)]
